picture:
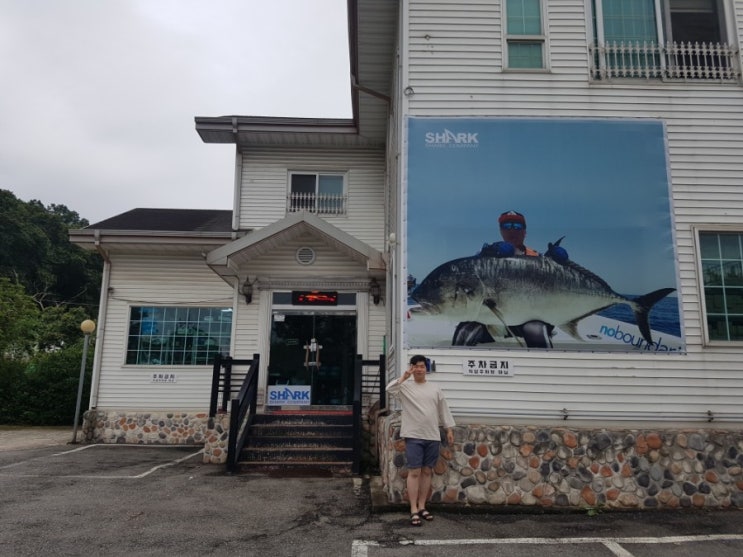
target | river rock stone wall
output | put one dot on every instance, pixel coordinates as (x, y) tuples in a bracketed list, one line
[(565, 467), (145, 428), (216, 438)]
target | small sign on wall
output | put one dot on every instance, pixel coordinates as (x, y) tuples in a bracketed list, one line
[(164, 378), (488, 367)]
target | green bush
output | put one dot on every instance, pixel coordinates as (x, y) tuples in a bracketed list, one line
[(12, 390), (44, 390)]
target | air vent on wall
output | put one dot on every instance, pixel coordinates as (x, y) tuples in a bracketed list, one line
[(305, 256)]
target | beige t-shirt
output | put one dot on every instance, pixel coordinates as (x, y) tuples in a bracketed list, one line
[(424, 409)]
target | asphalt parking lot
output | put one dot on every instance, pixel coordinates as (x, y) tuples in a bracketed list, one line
[(144, 500)]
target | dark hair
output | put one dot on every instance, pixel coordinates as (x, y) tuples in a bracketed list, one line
[(416, 359)]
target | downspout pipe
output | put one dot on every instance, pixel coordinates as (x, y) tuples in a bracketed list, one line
[(237, 188), (101, 325)]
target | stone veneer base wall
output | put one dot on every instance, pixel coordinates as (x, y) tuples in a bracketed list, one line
[(160, 428), (571, 468), (145, 428)]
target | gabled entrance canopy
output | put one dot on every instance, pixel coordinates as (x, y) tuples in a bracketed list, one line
[(230, 258)]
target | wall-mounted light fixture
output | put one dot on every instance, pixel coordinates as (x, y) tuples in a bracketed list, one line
[(375, 291), (247, 290)]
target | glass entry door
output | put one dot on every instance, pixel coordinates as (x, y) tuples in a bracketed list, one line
[(314, 349)]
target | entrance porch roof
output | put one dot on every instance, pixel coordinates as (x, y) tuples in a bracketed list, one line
[(228, 259)]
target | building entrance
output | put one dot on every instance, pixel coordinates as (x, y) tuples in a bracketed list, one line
[(312, 350)]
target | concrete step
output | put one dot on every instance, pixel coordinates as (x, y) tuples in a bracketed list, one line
[(300, 430), (302, 418), (299, 441), (283, 469), (296, 454)]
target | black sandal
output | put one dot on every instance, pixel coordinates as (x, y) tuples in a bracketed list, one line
[(425, 514), (415, 519)]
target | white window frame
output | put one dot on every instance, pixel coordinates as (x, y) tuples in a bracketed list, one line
[(341, 210), (543, 38), (698, 231)]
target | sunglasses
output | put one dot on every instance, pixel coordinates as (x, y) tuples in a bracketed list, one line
[(512, 226)]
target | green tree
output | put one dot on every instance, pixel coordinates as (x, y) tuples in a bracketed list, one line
[(19, 321), (48, 286), (36, 252)]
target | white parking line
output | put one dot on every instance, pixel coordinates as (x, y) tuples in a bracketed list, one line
[(360, 548), (617, 549), (97, 477)]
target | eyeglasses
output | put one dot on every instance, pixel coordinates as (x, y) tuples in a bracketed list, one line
[(512, 226)]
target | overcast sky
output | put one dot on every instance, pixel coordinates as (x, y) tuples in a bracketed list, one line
[(98, 97)]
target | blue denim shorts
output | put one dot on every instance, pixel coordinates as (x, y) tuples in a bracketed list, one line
[(421, 452)]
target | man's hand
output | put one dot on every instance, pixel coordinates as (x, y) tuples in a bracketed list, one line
[(449, 437), (498, 249), (557, 252)]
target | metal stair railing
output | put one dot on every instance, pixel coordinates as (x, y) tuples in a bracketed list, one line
[(242, 406), (358, 392)]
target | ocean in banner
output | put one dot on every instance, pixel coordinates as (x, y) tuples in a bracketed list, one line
[(664, 316)]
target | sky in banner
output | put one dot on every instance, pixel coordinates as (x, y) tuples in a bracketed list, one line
[(602, 184)]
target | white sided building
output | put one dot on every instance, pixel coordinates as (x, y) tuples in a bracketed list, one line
[(605, 373)]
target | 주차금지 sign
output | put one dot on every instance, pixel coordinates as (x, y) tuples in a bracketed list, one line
[(488, 367)]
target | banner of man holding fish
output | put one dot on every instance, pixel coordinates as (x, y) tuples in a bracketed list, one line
[(540, 234)]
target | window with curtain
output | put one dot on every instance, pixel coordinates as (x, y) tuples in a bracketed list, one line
[(525, 39), (722, 276)]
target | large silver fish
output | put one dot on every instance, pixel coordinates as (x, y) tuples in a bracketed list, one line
[(505, 293)]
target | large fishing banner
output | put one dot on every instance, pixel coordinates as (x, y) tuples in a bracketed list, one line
[(551, 234)]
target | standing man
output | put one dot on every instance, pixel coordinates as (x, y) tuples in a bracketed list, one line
[(424, 409)]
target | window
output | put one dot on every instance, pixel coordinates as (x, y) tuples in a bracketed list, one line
[(178, 335), (317, 193), (722, 274), (524, 34), (668, 39)]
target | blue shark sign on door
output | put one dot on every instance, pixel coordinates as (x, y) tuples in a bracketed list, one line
[(540, 233), (289, 395)]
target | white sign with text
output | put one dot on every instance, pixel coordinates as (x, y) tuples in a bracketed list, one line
[(488, 367)]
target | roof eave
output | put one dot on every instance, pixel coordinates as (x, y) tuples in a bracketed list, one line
[(227, 129)]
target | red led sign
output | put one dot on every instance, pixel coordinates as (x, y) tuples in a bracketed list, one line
[(314, 298)]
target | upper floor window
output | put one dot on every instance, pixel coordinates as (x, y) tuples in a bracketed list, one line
[(524, 34), (178, 335), (722, 276), (668, 39), (322, 193)]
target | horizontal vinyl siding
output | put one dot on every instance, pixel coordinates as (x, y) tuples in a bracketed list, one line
[(137, 281), (456, 69), (376, 331), (264, 188)]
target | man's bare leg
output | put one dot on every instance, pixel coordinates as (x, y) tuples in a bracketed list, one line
[(413, 484), (424, 487)]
